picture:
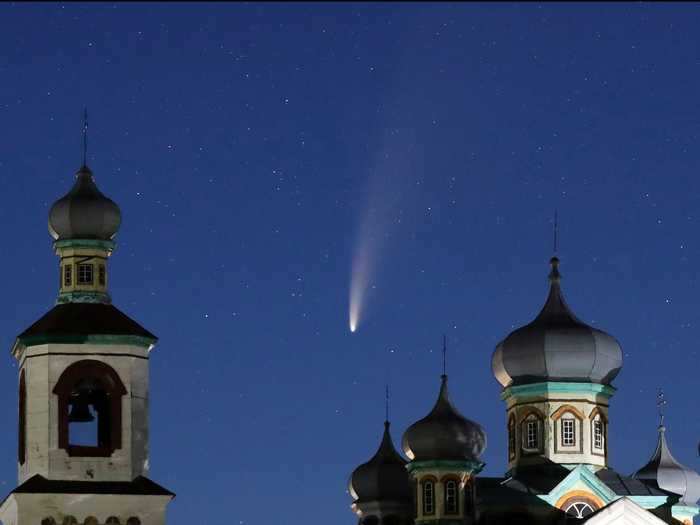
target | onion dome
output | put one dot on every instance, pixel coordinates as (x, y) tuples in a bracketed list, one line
[(382, 478), (84, 212), (444, 434), (664, 472), (556, 346)]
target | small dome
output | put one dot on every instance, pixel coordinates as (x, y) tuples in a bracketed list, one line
[(556, 346), (84, 212), (382, 478), (664, 472), (444, 434)]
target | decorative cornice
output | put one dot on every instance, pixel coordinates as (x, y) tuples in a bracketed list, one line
[(552, 387), (685, 510), (102, 339), (472, 467), (85, 243), (83, 297)]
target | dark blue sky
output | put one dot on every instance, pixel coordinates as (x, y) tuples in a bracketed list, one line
[(241, 141)]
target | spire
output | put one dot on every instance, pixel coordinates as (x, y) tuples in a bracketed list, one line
[(660, 405), (444, 355), (85, 137), (386, 407)]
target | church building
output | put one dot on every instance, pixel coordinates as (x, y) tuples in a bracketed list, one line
[(556, 373), (83, 387)]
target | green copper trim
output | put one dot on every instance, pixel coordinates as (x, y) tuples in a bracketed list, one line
[(83, 297), (649, 502), (85, 243), (551, 387), (687, 511), (473, 467), (100, 339)]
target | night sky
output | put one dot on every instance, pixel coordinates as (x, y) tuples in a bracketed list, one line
[(255, 148)]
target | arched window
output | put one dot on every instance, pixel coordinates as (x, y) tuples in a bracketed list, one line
[(428, 486), (579, 506), (511, 437), (90, 409), (451, 498), (112, 520), (133, 520), (568, 420), (580, 509), (22, 427), (531, 429), (91, 520), (598, 424)]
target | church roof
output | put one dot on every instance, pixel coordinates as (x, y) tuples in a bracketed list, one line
[(382, 478), (84, 212), (76, 322), (627, 486), (141, 486), (665, 472), (542, 479), (444, 434), (556, 346)]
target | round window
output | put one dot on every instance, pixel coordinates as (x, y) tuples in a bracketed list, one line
[(579, 509)]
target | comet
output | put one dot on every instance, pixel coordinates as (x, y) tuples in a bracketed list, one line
[(359, 281), (387, 192)]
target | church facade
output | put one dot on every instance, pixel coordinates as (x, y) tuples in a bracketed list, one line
[(83, 387), (556, 373)]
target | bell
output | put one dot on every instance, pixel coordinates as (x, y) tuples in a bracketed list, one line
[(80, 412)]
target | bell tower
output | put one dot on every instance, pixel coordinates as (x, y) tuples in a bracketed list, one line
[(83, 451)]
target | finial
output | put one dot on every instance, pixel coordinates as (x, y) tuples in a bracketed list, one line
[(85, 131), (386, 405), (556, 232), (554, 275), (444, 355), (660, 404)]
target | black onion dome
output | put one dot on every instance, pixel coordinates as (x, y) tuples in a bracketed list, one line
[(665, 472), (444, 434), (556, 346), (84, 212), (382, 478)]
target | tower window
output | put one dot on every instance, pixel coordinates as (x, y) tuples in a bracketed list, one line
[(568, 432), (598, 433), (428, 497), (511, 437), (451, 505), (85, 274), (531, 434), (68, 275), (89, 400), (101, 274), (531, 430)]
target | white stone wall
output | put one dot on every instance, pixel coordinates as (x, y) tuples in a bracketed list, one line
[(43, 365), (31, 509)]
